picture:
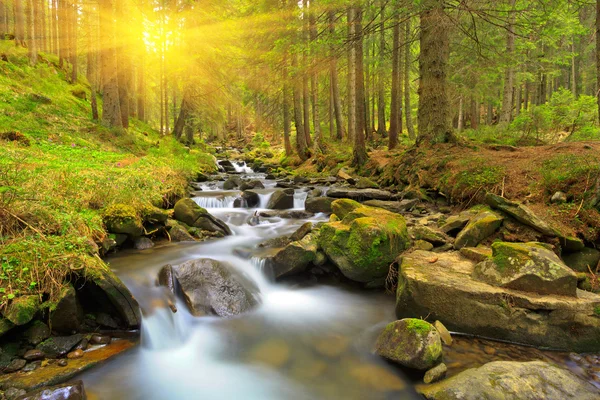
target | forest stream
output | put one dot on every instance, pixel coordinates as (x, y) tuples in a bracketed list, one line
[(305, 340)]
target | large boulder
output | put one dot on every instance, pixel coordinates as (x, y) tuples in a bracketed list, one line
[(248, 198), (433, 236), (441, 286), (511, 380), (359, 194), (179, 232), (410, 342), (211, 287), (529, 267), (121, 218), (295, 257), (281, 200), (254, 184), (526, 216), (190, 213), (67, 316), (319, 205), (482, 225), (365, 242), (343, 207)]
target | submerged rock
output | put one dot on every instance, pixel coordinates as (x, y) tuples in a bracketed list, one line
[(511, 380), (365, 242), (441, 285), (66, 391), (190, 213), (209, 287), (411, 342), (529, 267)]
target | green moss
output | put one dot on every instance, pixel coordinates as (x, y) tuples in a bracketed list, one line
[(22, 309), (419, 326), (343, 207), (597, 311)]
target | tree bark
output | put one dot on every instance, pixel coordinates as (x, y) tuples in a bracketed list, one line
[(459, 125), (301, 145), (434, 107), (287, 123), (122, 65), (92, 59), (359, 152), (314, 83), (3, 20), (381, 122), (407, 64), (19, 23), (73, 39), (31, 31), (474, 112), (335, 87), (509, 77), (184, 113), (351, 76), (395, 116), (111, 108), (598, 54)]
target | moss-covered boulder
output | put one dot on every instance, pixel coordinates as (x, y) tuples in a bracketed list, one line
[(411, 342), (154, 215), (121, 218), (511, 380), (365, 242), (482, 225), (319, 205), (5, 326), (343, 207), (190, 213), (530, 267), (433, 236), (366, 183), (179, 232), (22, 309)]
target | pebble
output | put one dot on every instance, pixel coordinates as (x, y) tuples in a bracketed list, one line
[(15, 365), (32, 366), (33, 355), (13, 393), (100, 339), (62, 362), (75, 354)]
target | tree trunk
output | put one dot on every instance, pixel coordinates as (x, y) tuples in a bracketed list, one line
[(314, 83), (518, 99), (19, 23), (381, 123), (459, 125), (351, 76), (407, 64), (42, 6), (62, 26), (287, 123), (3, 20), (122, 65), (395, 116), (54, 27), (335, 87), (507, 97), (37, 31), (184, 113), (434, 108), (92, 59), (73, 39), (301, 145), (598, 54), (111, 108), (474, 113), (359, 152), (31, 28), (489, 117), (141, 88)]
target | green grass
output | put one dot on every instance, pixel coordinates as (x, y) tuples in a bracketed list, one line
[(64, 170), (563, 172)]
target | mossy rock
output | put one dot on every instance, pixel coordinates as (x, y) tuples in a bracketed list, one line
[(529, 267), (410, 342), (342, 207), (22, 309), (121, 218), (5, 326), (366, 183), (190, 213), (295, 257), (483, 225), (365, 242), (154, 215)]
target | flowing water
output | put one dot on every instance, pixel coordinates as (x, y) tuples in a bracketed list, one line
[(301, 342)]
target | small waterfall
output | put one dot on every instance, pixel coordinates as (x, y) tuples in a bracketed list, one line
[(264, 199), (300, 199), (215, 201), (261, 265), (163, 329), (241, 167)]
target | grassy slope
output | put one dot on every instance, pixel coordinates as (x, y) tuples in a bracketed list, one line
[(54, 188)]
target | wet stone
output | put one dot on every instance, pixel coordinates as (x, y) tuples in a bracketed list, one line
[(15, 365), (32, 366), (100, 339), (33, 355), (62, 363), (435, 374), (75, 354)]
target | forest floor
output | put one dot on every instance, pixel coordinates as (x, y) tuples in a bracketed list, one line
[(59, 171)]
